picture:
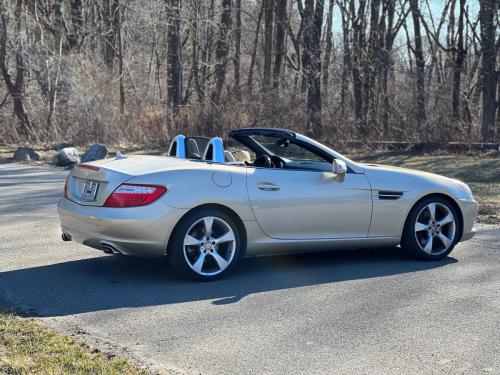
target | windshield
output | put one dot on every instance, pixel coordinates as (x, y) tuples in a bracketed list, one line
[(294, 154), (285, 149)]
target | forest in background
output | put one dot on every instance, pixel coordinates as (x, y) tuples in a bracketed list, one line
[(139, 72)]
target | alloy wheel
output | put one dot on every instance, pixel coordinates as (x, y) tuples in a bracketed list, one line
[(435, 228), (209, 246)]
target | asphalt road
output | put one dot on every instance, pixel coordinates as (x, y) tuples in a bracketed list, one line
[(370, 312)]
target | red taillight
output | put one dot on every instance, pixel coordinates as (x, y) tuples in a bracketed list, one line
[(132, 195), (89, 167), (66, 189)]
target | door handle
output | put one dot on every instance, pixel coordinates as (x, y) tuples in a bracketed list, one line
[(267, 186)]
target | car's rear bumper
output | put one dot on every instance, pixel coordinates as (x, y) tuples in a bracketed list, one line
[(469, 208), (138, 231)]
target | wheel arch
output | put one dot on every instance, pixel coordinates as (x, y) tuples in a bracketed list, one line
[(447, 198), (228, 211)]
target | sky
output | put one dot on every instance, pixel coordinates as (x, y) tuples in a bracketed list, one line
[(435, 9)]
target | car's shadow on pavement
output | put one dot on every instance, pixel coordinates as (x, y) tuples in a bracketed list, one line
[(111, 282)]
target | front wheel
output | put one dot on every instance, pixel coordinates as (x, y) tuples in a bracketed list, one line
[(432, 229), (206, 245)]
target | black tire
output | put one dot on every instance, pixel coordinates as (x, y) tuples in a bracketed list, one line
[(179, 259), (410, 239)]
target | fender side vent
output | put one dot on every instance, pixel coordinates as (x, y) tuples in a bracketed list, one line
[(389, 195)]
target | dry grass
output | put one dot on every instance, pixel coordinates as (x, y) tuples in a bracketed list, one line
[(27, 347)]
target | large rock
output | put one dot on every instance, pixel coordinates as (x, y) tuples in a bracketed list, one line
[(95, 152), (26, 154), (66, 157)]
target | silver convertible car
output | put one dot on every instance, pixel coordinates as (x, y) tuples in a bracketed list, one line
[(270, 191)]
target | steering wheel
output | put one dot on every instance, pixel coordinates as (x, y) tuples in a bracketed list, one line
[(277, 162), (263, 161)]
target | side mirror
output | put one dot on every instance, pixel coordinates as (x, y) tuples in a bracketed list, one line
[(339, 169)]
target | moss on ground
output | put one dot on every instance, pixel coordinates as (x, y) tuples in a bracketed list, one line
[(28, 347)]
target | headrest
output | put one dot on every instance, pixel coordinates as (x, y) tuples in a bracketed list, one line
[(178, 147), (214, 151)]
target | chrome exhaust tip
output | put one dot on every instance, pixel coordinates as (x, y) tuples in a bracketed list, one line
[(109, 249)]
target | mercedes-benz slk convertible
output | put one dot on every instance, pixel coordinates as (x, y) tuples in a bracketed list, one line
[(271, 191)]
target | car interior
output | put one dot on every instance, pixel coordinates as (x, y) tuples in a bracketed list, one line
[(259, 150), (213, 150)]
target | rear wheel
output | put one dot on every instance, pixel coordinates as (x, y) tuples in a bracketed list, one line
[(206, 245), (432, 229)]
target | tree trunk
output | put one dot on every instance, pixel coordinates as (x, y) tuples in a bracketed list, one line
[(222, 51), (458, 65), (174, 67), (312, 43), (280, 52), (358, 26), (347, 62), (75, 37), (386, 64), (195, 70), (237, 51), (52, 92), (268, 44), (15, 88), (255, 45), (420, 64), (118, 29), (488, 73), (328, 48), (108, 35), (371, 64), (206, 52)]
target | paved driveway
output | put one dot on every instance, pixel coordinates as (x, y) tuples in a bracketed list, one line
[(346, 312)]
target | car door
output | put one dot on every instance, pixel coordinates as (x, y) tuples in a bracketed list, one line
[(305, 204)]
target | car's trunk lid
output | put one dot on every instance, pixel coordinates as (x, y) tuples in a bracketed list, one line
[(90, 184)]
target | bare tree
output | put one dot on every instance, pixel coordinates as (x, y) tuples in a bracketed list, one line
[(458, 63), (76, 65), (346, 60), (117, 22), (268, 44), (174, 67), (488, 73), (328, 48), (237, 51), (15, 87), (222, 50), (419, 62), (255, 46), (280, 35), (108, 44), (358, 24), (313, 21)]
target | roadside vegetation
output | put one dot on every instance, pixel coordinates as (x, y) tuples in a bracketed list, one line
[(27, 347), (140, 71)]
